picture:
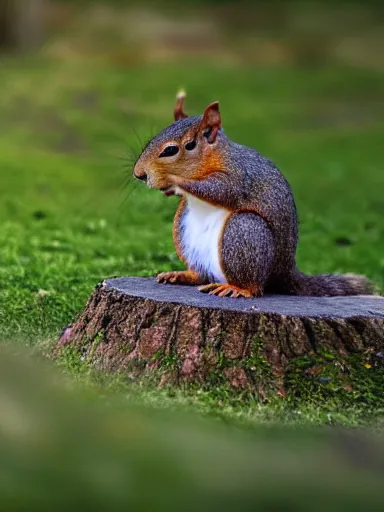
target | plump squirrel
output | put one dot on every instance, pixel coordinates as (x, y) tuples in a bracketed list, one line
[(236, 227)]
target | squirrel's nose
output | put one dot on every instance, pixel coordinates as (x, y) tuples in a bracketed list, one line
[(141, 175)]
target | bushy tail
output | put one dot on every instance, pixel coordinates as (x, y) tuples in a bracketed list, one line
[(331, 285)]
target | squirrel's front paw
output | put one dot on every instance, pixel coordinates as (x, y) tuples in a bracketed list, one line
[(168, 277), (182, 277), (226, 290)]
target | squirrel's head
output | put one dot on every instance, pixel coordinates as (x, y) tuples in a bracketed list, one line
[(186, 149)]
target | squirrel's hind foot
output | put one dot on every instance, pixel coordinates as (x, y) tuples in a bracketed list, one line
[(183, 277), (226, 290)]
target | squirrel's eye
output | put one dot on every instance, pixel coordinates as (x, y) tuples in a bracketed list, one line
[(169, 151), (207, 133), (190, 145)]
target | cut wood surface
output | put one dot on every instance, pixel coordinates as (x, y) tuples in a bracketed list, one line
[(138, 326)]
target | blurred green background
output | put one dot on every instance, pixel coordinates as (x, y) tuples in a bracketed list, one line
[(302, 82)]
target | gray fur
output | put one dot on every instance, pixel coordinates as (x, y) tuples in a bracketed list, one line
[(247, 251)]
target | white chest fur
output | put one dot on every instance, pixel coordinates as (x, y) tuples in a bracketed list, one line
[(201, 229)]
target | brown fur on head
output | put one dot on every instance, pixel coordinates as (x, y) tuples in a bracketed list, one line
[(185, 150)]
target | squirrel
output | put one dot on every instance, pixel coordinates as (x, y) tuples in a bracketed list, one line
[(236, 226)]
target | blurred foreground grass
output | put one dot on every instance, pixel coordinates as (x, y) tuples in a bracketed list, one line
[(105, 82), (60, 450)]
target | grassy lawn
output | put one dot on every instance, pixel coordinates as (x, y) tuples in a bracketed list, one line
[(74, 116)]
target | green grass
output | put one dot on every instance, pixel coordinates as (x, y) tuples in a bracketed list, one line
[(71, 214), (60, 450)]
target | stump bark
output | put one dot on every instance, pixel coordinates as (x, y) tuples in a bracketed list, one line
[(138, 326)]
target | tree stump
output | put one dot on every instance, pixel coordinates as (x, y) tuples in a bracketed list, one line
[(180, 335)]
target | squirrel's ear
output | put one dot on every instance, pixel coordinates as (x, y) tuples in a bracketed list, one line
[(211, 122), (178, 110)]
